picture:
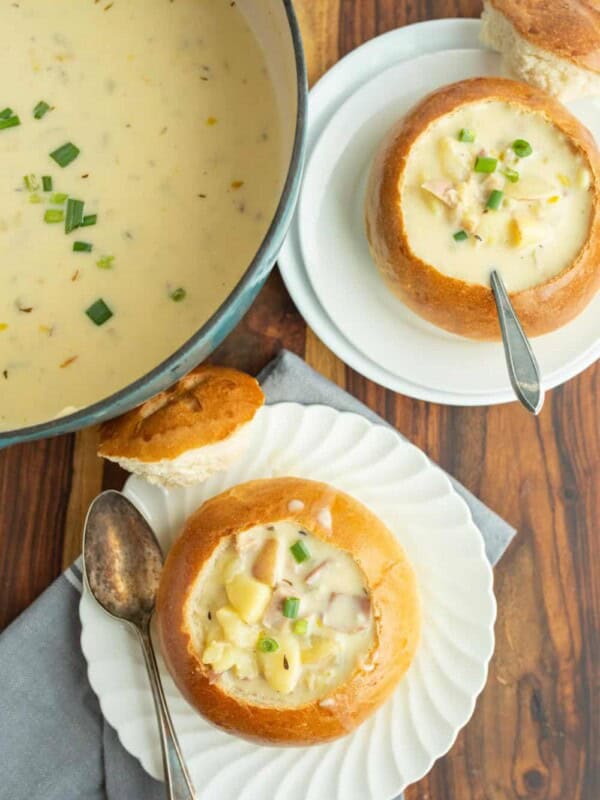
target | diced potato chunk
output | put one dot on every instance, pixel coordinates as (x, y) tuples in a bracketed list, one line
[(248, 596), (221, 656), (456, 158), (320, 650), (283, 667), (527, 231), (231, 567), (245, 665), (235, 629), (267, 564)]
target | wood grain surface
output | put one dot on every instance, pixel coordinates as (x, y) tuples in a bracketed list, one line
[(536, 729)]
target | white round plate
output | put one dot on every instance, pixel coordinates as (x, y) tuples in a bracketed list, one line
[(397, 745), (325, 261)]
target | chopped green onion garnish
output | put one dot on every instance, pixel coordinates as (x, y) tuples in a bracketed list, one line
[(300, 551), (35, 198), (495, 200), (59, 198), (54, 215), (11, 122), (82, 247), (522, 148), (485, 164), (65, 154), (41, 109), (178, 294), (510, 174), (90, 219), (6, 113), (31, 183), (291, 606), (99, 312), (460, 236), (74, 214), (267, 645), (106, 262), (300, 627), (47, 183), (466, 135)]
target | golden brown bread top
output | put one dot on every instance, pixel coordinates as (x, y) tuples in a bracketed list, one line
[(465, 308), (204, 407), (354, 528), (567, 28)]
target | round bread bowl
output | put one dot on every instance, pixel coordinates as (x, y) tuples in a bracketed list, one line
[(346, 524), (464, 308)]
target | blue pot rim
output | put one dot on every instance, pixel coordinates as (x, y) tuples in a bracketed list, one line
[(134, 393)]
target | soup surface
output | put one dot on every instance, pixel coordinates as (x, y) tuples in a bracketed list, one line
[(492, 185), (281, 617), (162, 119)]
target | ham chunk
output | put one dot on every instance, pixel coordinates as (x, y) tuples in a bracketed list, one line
[(267, 564), (347, 613)]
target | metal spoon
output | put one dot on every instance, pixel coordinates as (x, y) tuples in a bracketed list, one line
[(523, 369), (122, 566)]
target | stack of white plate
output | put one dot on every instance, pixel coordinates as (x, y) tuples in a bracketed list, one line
[(325, 260)]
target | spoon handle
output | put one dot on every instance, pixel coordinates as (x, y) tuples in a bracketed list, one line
[(523, 369), (177, 779)]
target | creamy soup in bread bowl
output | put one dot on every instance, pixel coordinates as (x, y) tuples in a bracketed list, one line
[(141, 164)]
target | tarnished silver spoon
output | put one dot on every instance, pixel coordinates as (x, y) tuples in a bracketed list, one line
[(523, 369), (122, 566)]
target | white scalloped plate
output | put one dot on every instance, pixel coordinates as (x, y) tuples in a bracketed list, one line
[(397, 745)]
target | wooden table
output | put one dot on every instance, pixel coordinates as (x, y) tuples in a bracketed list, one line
[(536, 730)]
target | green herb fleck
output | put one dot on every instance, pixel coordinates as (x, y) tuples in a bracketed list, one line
[(54, 215), (460, 236), (41, 109), (90, 219), (106, 262), (267, 645), (82, 247), (485, 164), (522, 148), (466, 135), (47, 183), (300, 551), (74, 214), (178, 294), (510, 174), (99, 312), (495, 200), (65, 155)]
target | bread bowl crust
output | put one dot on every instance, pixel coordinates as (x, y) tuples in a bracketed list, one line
[(463, 308), (206, 406), (569, 29), (353, 528)]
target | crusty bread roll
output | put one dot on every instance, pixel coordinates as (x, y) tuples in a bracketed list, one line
[(183, 435), (459, 300), (226, 632), (551, 44)]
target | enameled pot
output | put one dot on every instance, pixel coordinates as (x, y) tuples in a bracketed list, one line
[(275, 26)]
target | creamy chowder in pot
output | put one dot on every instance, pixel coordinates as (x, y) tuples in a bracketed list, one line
[(493, 184), (140, 167)]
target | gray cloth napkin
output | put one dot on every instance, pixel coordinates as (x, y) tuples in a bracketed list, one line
[(54, 742)]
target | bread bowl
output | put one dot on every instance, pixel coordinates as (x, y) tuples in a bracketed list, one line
[(432, 227), (249, 657), (186, 433), (552, 45)]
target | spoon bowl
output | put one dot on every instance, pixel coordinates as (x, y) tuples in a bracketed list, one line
[(122, 558)]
